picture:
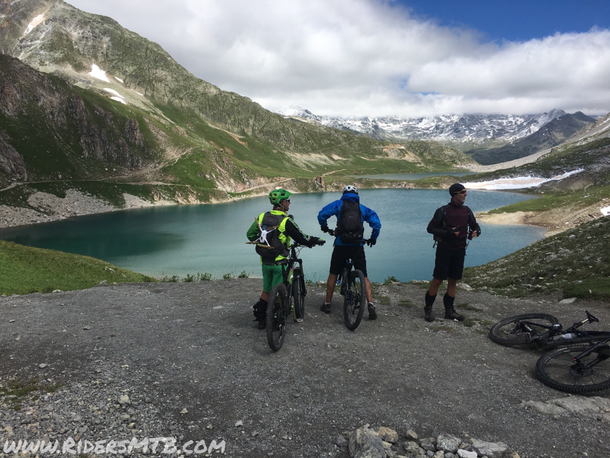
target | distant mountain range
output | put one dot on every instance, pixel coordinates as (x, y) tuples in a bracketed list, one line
[(488, 138)]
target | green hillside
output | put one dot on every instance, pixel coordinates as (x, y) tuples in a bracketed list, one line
[(575, 262), (26, 270)]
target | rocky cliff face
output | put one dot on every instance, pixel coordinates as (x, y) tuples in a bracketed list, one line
[(48, 129)]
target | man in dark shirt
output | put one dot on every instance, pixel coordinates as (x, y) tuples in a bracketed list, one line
[(451, 226)]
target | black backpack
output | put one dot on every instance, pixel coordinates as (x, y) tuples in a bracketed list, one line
[(349, 227), (268, 245), (439, 215)]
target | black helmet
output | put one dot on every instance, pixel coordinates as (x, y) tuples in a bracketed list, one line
[(350, 188)]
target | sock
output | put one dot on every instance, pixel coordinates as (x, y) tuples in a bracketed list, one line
[(448, 301), (429, 300)]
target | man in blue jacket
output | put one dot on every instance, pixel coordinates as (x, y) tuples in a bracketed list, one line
[(348, 247)]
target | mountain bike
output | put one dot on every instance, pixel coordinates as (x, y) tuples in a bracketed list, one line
[(286, 298), (543, 330), (577, 369), (353, 290)]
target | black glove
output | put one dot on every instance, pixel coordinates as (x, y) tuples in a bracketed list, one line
[(371, 242), (452, 232), (313, 241), (324, 228)]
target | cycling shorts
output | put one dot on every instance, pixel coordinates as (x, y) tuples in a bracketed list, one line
[(449, 263), (272, 275), (343, 252)]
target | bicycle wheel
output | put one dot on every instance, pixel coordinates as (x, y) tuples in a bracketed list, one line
[(558, 369), (514, 330), (354, 300), (277, 314), (299, 292)]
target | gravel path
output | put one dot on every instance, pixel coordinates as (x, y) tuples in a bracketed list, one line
[(184, 360)]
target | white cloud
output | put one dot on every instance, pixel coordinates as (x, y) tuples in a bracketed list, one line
[(367, 57)]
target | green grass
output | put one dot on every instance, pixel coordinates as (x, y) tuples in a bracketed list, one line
[(575, 262), (559, 199), (20, 388), (25, 270)]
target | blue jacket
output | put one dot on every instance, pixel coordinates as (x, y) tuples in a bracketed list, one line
[(334, 209)]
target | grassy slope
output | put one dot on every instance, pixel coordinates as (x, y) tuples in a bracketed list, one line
[(26, 270), (576, 262)]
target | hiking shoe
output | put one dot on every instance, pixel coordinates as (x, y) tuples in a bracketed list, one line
[(372, 312), (451, 314), (262, 324), (325, 307), (428, 314)]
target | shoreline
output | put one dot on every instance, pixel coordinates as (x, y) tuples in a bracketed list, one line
[(46, 208)]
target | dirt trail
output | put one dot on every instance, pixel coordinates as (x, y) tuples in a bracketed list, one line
[(191, 353)]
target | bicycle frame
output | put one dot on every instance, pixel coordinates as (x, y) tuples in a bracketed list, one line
[(556, 331), (580, 368), (287, 274)]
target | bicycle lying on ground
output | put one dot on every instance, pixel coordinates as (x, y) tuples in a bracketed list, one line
[(543, 330), (575, 367), (286, 298), (353, 290)]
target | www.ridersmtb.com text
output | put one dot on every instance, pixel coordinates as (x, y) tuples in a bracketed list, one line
[(163, 445)]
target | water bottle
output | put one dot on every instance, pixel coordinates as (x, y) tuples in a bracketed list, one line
[(566, 336)]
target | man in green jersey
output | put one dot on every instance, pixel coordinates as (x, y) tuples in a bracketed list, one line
[(272, 231)]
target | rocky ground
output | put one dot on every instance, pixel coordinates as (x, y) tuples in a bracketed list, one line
[(140, 362), (45, 207)]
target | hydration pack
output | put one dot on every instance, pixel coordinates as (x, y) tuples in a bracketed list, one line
[(349, 226), (268, 244), (439, 215)]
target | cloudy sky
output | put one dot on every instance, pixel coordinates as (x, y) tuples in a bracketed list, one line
[(387, 57)]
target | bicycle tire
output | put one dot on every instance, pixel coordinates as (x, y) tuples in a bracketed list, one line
[(277, 316), (298, 293), (555, 369), (354, 300), (506, 332)]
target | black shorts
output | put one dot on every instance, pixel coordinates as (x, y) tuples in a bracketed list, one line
[(341, 253), (449, 263)]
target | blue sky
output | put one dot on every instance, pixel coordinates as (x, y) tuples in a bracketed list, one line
[(515, 20), (409, 58)]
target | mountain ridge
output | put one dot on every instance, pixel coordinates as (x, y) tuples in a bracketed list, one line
[(214, 144)]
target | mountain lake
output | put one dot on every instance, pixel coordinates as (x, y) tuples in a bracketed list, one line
[(211, 239)]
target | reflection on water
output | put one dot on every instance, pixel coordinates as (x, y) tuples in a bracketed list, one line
[(181, 240)]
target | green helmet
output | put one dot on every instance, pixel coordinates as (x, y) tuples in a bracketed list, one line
[(277, 195)]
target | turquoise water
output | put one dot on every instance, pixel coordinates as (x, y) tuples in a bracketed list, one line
[(181, 240)]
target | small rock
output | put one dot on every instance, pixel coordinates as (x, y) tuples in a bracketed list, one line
[(388, 435), (489, 448), (411, 435), (467, 454), (569, 300)]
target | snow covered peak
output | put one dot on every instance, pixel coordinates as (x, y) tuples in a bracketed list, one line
[(475, 128)]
